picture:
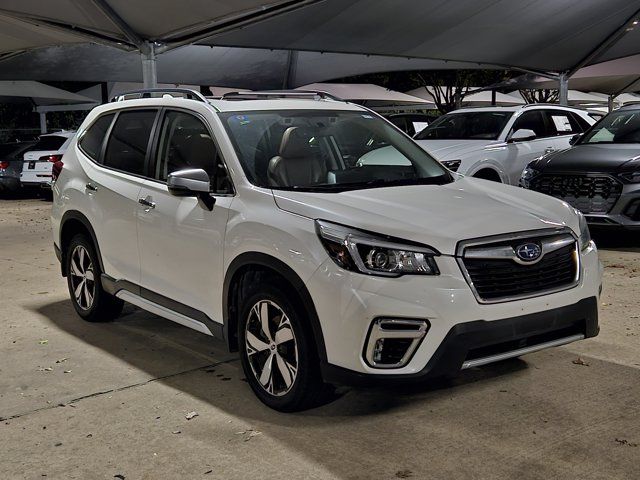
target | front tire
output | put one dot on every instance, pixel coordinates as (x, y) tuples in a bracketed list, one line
[(88, 297), (277, 350)]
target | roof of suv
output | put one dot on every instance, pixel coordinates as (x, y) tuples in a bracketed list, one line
[(517, 108)]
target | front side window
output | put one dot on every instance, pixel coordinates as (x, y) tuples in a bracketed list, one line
[(185, 143), (532, 120), (466, 126), (617, 127), (91, 141), (327, 150), (127, 146)]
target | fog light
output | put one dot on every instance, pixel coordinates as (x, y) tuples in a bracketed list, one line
[(392, 342)]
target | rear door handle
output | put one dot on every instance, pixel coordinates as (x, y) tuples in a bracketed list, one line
[(91, 187), (147, 203), (549, 150)]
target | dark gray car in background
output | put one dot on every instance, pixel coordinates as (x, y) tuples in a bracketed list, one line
[(11, 164), (600, 174)]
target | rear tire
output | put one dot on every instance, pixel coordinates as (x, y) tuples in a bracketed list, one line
[(88, 297), (280, 364)]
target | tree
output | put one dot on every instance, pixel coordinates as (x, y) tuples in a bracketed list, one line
[(449, 86), (540, 96)]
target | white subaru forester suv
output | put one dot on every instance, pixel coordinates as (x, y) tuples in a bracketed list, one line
[(256, 219)]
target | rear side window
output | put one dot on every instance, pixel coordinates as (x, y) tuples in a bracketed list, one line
[(50, 142), (129, 140), (91, 141), (562, 123)]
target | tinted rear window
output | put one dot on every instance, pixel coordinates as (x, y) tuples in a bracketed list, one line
[(127, 146), (91, 141), (49, 143)]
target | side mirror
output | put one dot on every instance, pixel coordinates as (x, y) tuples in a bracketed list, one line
[(522, 135), (192, 182), (575, 139)]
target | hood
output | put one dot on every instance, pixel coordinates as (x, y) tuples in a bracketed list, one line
[(453, 149), (435, 215), (606, 158)]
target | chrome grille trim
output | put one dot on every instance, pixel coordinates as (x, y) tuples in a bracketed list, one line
[(544, 236)]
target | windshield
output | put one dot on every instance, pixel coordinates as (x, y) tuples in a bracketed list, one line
[(327, 150), (466, 126), (617, 127)]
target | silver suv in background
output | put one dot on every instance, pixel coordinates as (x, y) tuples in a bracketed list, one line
[(497, 143)]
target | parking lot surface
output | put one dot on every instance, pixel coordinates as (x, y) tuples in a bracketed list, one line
[(81, 400)]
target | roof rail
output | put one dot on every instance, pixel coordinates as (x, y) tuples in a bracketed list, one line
[(548, 104), (633, 104), (270, 94), (159, 92)]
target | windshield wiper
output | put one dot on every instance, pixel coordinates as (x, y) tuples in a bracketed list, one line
[(375, 183)]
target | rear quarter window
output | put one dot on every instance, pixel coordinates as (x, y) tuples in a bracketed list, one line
[(91, 141)]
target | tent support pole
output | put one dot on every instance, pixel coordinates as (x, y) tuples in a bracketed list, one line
[(43, 122), (149, 66), (563, 89), (610, 102)]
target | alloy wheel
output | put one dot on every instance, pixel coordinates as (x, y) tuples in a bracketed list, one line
[(271, 348), (83, 283)]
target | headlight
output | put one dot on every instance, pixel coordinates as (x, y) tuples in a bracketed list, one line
[(585, 236), (452, 165), (633, 177), (361, 252), (528, 174)]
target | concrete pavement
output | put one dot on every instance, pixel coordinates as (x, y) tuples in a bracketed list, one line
[(80, 400)]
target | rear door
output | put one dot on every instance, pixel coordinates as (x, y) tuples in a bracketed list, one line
[(118, 147), (180, 240)]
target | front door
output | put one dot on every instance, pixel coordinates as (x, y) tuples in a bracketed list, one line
[(180, 240)]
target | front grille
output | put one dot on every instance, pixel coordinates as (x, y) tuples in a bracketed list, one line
[(587, 193), (502, 279)]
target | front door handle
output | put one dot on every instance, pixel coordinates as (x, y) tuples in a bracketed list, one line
[(147, 203), (91, 187)]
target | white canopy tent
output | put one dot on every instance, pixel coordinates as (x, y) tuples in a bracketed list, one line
[(550, 37), (478, 99), (248, 68), (44, 98), (370, 95)]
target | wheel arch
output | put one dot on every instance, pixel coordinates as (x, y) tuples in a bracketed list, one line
[(267, 265), (72, 223), (488, 172)]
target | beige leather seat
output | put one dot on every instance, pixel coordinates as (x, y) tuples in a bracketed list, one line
[(297, 162)]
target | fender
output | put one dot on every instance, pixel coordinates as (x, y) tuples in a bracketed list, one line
[(77, 216), (261, 259)]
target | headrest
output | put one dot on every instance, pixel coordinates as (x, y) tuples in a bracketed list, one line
[(295, 143)]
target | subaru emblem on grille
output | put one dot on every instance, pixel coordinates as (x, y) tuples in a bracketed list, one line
[(529, 252)]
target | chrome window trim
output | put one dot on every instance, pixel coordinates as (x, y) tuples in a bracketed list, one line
[(532, 235)]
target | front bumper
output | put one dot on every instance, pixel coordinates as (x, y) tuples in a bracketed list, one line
[(347, 303), (479, 342), (624, 214)]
